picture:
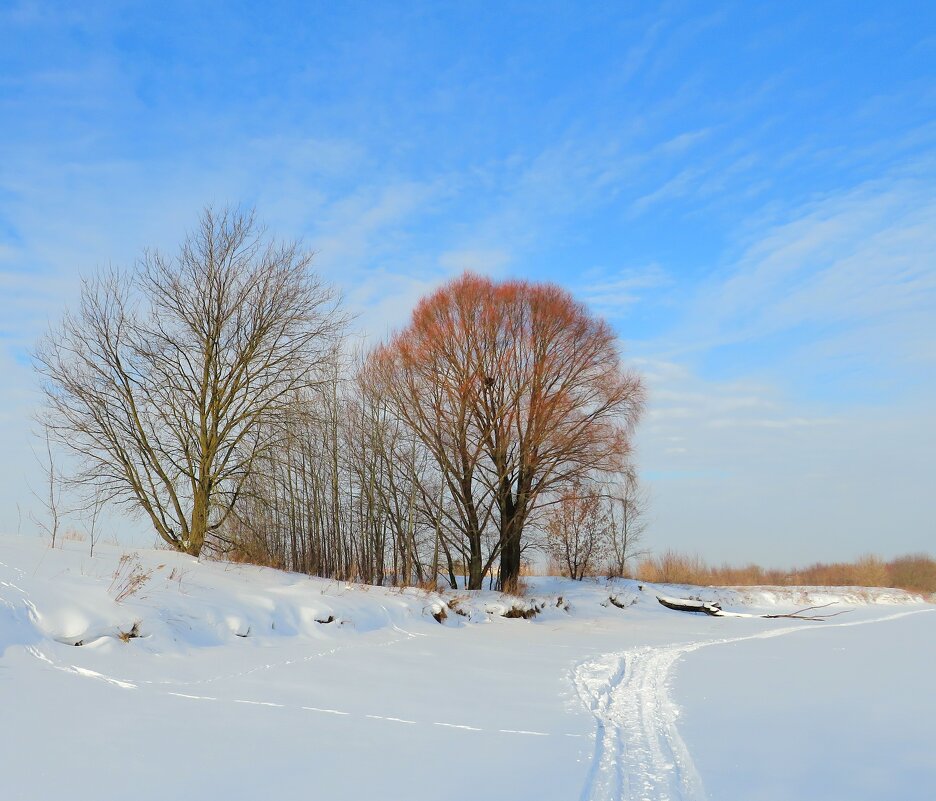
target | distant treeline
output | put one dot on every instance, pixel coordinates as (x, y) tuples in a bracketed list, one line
[(915, 573)]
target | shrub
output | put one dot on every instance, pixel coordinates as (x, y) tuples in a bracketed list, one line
[(129, 578)]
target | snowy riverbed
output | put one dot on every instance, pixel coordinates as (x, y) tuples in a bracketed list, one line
[(247, 683)]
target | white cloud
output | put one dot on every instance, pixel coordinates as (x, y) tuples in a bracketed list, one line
[(611, 295), (840, 294), (779, 423), (850, 259)]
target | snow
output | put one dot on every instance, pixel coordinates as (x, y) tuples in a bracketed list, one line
[(246, 682), (843, 712)]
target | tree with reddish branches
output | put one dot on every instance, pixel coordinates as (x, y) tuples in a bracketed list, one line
[(518, 393), (577, 531)]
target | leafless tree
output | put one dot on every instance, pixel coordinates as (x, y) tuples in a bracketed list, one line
[(51, 495), (169, 380), (517, 392), (346, 493), (577, 530), (92, 513), (627, 505)]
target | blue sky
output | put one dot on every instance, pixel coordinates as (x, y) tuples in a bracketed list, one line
[(745, 190)]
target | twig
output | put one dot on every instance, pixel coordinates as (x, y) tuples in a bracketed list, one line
[(798, 614)]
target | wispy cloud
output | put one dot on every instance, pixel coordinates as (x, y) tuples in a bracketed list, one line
[(611, 295), (849, 275), (778, 423), (847, 256)]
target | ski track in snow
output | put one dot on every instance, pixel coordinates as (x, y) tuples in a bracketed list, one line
[(156, 687), (639, 755), (127, 685), (10, 585)]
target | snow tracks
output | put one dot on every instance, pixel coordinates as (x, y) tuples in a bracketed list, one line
[(638, 751), (639, 755)]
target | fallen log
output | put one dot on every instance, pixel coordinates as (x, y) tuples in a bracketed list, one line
[(691, 605), (714, 609)]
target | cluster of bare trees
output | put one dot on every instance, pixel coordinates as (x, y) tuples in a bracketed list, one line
[(597, 527), (213, 393)]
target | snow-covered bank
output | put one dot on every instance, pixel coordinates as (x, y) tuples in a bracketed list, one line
[(172, 602), (241, 682)]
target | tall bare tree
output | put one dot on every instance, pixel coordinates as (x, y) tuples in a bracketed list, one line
[(517, 392), (169, 379), (627, 505)]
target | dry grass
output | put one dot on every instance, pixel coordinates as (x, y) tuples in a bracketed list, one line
[(916, 573), (73, 535), (517, 588), (524, 612), (554, 567), (129, 578), (528, 568), (132, 634), (429, 584)]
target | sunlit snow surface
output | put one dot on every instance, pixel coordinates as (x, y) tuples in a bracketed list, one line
[(237, 688)]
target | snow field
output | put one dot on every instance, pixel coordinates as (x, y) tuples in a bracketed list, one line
[(246, 683)]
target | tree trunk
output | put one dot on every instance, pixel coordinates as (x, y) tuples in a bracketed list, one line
[(475, 567), (199, 525), (513, 516), (510, 564)]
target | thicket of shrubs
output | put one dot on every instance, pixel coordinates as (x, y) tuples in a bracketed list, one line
[(915, 572)]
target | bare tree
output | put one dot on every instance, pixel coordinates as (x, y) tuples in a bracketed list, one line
[(168, 380), (627, 505), (51, 495), (92, 514), (517, 392), (577, 529), (350, 493)]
